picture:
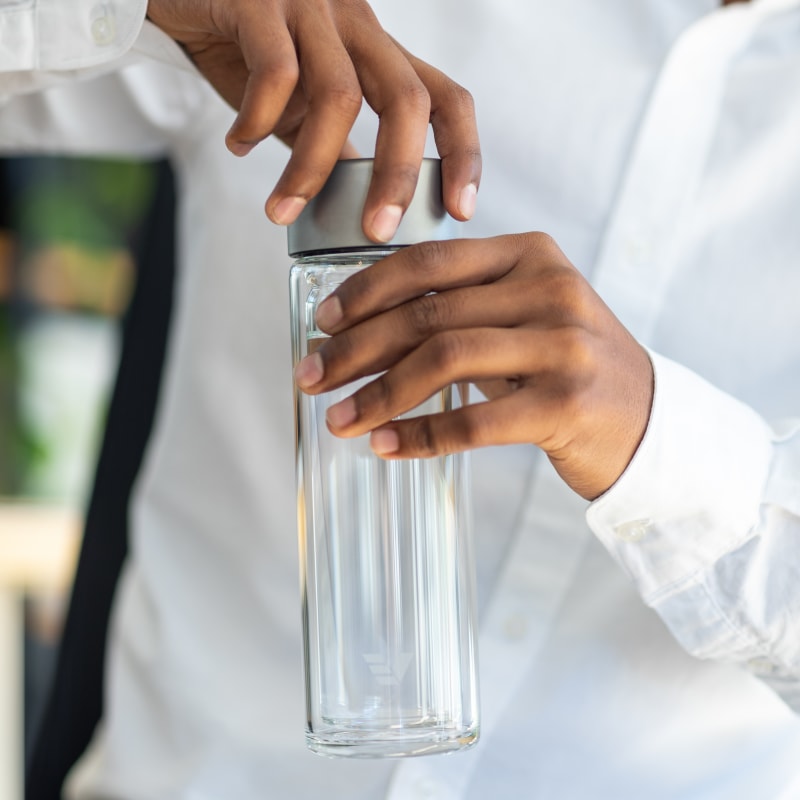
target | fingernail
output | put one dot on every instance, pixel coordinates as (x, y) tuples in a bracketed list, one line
[(467, 199), (385, 222), (240, 148), (384, 442), (342, 414), (309, 371), (286, 211), (329, 314)]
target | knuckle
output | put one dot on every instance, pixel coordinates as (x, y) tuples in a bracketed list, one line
[(403, 175), (430, 257), (464, 99), (380, 393), (559, 284), (446, 352), (474, 427), (339, 349), (415, 98), (284, 72), (576, 348), (455, 102), (543, 248), (569, 294), (346, 97), (408, 174), (352, 16), (460, 98), (304, 179), (473, 151), (427, 314), (408, 97), (538, 245), (577, 355), (426, 442), (544, 241)]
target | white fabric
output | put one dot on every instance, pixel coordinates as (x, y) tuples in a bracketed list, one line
[(657, 142), (54, 35), (46, 42)]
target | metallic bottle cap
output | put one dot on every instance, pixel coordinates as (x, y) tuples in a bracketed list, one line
[(331, 222)]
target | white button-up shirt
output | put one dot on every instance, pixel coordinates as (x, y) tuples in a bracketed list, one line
[(51, 35), (646, 645)]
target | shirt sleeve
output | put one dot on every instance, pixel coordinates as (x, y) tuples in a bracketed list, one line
[(45, 35), (44, 43), (706, 521)]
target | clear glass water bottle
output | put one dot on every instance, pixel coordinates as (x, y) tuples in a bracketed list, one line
[(387, 575)]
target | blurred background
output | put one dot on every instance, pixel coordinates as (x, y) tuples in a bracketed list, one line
[(71, 235)]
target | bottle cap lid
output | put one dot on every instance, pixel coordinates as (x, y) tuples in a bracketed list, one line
[(331, 222)]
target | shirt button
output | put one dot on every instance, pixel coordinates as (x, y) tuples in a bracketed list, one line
[(633, 531), (103, 29), (761, 666)]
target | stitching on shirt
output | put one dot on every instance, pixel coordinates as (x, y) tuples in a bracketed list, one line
[(762, 649), (668, 589)]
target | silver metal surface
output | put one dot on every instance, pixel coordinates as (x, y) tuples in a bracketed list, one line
[(332, 220)]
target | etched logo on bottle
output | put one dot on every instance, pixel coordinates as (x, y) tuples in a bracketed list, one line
[(388, 672)]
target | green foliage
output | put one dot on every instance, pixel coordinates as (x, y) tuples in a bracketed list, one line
[(95, 204), (11, 445), (89, 201)]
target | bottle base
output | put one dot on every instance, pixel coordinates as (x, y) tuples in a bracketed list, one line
[(389, 744)]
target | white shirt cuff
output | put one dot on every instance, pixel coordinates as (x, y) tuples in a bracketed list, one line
[(693, 489)]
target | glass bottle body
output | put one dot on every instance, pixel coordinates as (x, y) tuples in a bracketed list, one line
[(387, 575)]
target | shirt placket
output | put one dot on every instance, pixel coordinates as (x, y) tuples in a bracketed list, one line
[(631, 273), (636, 259)]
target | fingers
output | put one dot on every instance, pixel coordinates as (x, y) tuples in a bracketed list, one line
[(300, 85), (245, 51), (456, 135), (589, 428), (464, 356), (502, 421), (407, 94), (510, 314), (382, 313), (298, 69), (401, 101), (332, 79), (439, 362), (414, 272), (271, 69), (332, 101), (379, 342)]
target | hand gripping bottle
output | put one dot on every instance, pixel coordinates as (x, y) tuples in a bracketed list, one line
[(387, 574)]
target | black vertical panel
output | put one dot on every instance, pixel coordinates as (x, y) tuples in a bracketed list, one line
[(75, 703)]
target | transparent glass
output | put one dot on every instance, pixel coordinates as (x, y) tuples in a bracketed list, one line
[(387, 574)]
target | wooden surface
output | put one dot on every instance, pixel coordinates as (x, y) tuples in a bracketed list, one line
[(38, 553), (38, 546)]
